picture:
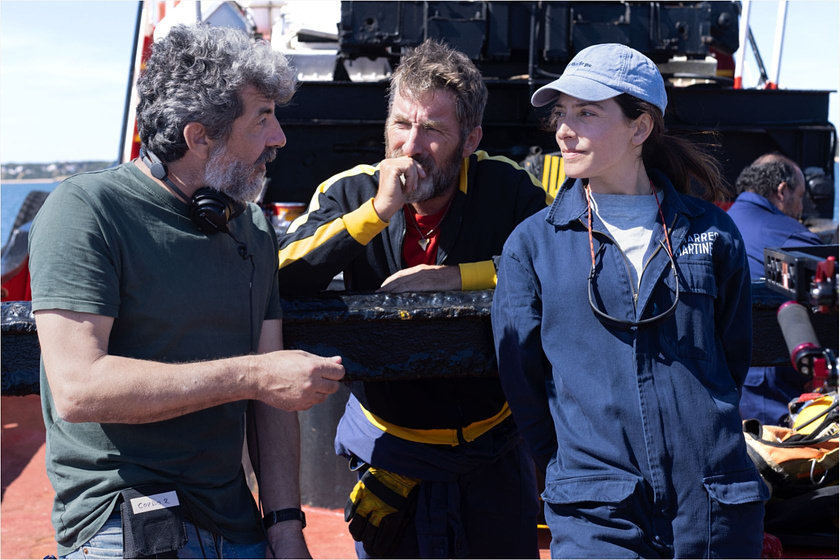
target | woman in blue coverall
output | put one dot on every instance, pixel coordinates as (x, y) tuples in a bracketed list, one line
[(622, 322)]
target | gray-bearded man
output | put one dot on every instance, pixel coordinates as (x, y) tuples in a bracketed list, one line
[(156, 299)]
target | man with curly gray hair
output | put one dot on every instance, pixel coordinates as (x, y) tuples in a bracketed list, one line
[(155, 292), (217, 72), (442, 470)]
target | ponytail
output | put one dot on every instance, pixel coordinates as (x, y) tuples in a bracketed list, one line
[(691, 169)]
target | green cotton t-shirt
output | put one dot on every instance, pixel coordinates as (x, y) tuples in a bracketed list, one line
[(117, 244)]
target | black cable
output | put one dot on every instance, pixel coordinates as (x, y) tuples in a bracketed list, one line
[(821, 415), (195, 526), (539, 71), (251, 305), (243, 252), (216, 542), (252, 424), (250, 416)]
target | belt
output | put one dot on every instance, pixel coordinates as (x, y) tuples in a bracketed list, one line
[(439, 436)]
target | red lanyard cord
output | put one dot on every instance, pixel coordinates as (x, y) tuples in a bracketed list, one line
[(607, 317)]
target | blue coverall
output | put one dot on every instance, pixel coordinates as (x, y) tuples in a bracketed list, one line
[(768, 390), (637, 428)]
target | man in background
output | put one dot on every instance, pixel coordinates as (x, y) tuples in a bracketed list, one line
[(768, 208), (767, 213)]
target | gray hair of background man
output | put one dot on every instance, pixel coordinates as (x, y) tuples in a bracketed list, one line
[(436, 66), (766, 174), (196, 74)]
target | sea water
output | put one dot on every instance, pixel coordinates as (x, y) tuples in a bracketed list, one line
[(12, 196)]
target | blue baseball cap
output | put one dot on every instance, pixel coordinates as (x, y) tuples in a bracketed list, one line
[(604, 71)]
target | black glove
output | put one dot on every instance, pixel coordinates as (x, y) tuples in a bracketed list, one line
[(379, 508)]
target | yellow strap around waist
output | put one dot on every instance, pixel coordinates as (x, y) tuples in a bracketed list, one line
[(439, 436)]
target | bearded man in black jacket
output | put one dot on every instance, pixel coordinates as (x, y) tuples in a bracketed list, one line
[(443, 471)]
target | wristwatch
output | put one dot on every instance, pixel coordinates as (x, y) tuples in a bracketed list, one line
[(288, 514)]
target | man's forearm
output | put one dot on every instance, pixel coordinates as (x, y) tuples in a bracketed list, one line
[(90, 385), (274, 447), (129, 391)]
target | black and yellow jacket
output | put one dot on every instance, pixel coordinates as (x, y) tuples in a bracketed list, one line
[(342, 232)]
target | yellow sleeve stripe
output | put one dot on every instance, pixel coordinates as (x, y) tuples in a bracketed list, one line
[(482, 155), (297, 250), (323, 187), (478, 275), (363, 224)]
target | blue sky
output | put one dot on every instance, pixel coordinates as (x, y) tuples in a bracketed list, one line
[(63, 79), (64, 70)]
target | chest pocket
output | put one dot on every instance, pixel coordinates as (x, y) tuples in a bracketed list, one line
[(690, 332)]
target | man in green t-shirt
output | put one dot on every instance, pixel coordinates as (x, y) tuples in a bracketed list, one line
[(156, 299)]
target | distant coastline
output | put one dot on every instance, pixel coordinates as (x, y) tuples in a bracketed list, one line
[(34, 181), (48, 172)]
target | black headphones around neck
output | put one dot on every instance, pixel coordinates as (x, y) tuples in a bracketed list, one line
[(210, 210)]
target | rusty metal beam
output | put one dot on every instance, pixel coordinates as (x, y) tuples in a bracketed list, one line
[(390, 337)]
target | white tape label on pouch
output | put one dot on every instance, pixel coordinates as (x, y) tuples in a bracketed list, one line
[(156, 501)]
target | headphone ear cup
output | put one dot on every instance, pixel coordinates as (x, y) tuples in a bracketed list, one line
[(211, 210)]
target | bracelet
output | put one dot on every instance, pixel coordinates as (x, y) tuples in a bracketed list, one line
[(280, 515)]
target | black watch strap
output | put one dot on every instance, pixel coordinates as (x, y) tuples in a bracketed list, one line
[(288, 514)]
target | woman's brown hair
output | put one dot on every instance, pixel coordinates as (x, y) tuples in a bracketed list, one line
[(690, 168)]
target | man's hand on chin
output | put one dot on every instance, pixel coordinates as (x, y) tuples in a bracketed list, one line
[(423, 278)]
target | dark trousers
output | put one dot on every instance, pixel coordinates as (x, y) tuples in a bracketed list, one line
[(488, 512)]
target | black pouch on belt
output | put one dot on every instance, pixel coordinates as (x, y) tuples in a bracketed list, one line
[(152, 522)]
